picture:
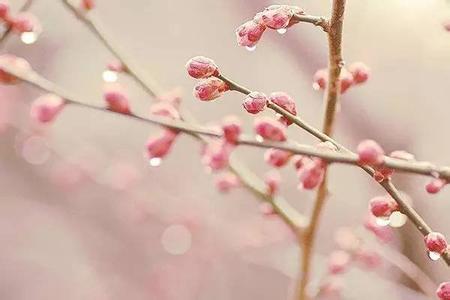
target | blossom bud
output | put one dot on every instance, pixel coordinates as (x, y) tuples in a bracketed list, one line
[(382, 206), (311, 174), (231, 128), (4, 9), (346, 80), (286, 102), (160, 146), (370, 153), (275, 16), (202, 67), (270, 129), (87, 4), (255, 102), (360, 72), (276, 157), (320, 79), (45, 108), (249, 33), (210, 89), (435, 185), (443, 291), (25, 22), (436, 242), (338, 262), (216, 155), (116, 98)]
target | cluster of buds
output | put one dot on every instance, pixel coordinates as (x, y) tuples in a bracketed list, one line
[(23, 23), (209, 87), (159, 146), (277, 17), (45, 108), (357, 73)]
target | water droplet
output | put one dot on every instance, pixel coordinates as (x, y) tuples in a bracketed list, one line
[(316, 86), (176, 239), (29, 37), (35, 150), (382, 221), (251, 49), (282, 30), (397, 219), (109, 76), (434, 255), (259, 138), (155, 161)]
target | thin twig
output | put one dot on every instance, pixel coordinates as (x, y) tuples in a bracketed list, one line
[(315, 20), (421, 167), (248, 179)]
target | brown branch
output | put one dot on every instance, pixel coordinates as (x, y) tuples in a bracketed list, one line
[(315, 20)]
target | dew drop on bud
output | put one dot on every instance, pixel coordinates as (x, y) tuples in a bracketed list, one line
[(29, 37), (259, 138), (316, 86), (109, 76), (155, 161), (282, 30), (382, 221), (397, 219), (434, 255), (251, 49)]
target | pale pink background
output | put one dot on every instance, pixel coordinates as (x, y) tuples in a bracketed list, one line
[(94, 242)]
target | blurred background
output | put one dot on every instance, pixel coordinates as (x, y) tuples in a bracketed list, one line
[(83, 215)]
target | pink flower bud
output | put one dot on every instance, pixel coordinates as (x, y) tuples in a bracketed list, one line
[(4, 9), (202, 67), (435, 185), (255, 102), (231, 128), (332, 288), (346, 79), (338, 262), (443, 291), (165, 109), (25, 22), (45, 108), (286, 102), (87, 4), (370, 153), (216, 155), (320, 79), (275, 16), (270, 129), (382, 206), (160, 146), (436, 242), (403, 155), (276, 157), (210, 89), (226, 181), (116, 66), (14, 63), (116, 98), (360, 72), (249, 33), (311, 175), (272, 180)]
